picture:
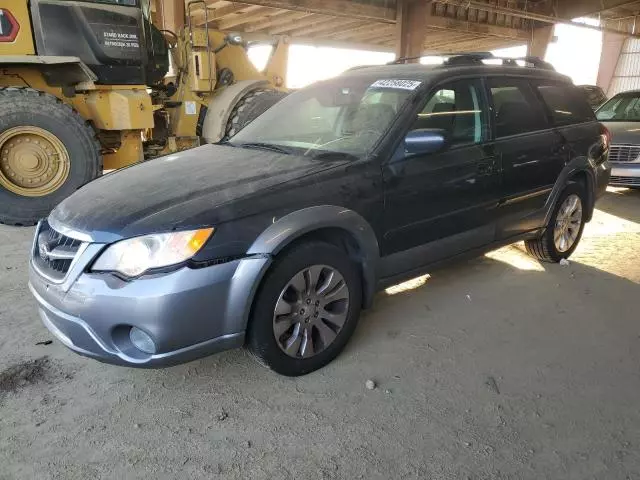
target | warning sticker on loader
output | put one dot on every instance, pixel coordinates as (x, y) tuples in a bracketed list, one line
[(118, 41)]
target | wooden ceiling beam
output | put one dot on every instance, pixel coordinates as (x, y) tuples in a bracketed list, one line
[(319, 42), (351, 31), (384, 39), (287, 18), (447, 44), (217, 14), (583, 8), (366, 36), (473, 45), (478, 28), (297, 24), (325, 28), (337, 8), (248, 17)]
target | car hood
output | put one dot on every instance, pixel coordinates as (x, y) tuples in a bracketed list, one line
[(624, 132), (182, 190)]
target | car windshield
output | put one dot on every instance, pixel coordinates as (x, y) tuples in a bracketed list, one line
[(621, 108), (343, 117)]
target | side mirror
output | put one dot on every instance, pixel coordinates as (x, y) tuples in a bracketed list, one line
[(425, 140)]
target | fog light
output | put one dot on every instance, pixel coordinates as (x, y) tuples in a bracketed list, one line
[(142, 341)]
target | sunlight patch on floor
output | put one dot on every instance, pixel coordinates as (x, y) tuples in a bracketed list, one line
[(604, 223), (408, 285), (517, 258)]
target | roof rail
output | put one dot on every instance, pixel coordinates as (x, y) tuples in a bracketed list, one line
[(477, 58)]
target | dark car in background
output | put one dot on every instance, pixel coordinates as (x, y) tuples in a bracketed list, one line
[(621, 116), (278, 238), (594, 94)]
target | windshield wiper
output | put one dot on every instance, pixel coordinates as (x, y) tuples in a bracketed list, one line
[(334, 156), (263, 146)]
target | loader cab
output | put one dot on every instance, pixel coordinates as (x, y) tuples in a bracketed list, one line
[(111, 36)]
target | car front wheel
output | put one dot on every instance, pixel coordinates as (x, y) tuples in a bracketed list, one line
[(306, 309), (564, 230)]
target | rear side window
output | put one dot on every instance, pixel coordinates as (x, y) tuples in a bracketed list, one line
[(567, 105), (515, 107)]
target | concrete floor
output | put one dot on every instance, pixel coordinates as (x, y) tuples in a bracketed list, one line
[(496, 368)]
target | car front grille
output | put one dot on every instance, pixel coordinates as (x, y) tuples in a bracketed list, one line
[(625, 181), (624, 153), (54, 252)]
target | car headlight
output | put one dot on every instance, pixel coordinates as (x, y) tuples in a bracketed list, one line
[(134, 256)]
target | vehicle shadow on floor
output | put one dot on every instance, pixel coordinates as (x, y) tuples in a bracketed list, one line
[(623, 203), (482, 296), (504, 290)]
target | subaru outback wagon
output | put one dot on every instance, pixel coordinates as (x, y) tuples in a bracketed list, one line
[(278, 238)]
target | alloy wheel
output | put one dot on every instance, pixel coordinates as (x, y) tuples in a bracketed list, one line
[(568, 223), (310, 311)]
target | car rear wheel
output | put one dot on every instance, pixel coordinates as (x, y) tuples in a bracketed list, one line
[(306, 309), (564, 230)]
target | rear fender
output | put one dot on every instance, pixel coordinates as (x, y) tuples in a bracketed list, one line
[(577, 166)]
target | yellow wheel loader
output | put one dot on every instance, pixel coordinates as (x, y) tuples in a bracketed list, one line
[(88, 85)]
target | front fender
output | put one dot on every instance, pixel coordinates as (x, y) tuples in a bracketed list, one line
[(301, 222)]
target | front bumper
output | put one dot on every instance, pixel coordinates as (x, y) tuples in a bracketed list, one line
[(625, 175), (189, 313)]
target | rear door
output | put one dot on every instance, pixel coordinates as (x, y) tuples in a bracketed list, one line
[(571, 114), (532, 153), (443, 203)]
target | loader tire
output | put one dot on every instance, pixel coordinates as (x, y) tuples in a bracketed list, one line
[(47, 152), (250, 107)]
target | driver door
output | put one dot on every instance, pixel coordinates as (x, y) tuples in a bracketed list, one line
[(443, 203)]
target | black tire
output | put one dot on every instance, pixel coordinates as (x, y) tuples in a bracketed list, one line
[(544, 248), (250, 107), (29, 107), (261, 340)]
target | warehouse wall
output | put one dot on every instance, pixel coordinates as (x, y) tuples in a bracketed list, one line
[(627, 72)]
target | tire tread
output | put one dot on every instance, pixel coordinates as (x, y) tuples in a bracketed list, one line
[(14, 99)]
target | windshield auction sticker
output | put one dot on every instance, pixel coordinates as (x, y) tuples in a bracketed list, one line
[(396, 83)]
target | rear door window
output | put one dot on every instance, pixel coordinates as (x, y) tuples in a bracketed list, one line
[(566, 104), (516, 109)]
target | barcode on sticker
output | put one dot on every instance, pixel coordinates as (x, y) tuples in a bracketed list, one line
[(396, 83)]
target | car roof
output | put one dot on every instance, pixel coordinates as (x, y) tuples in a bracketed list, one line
[(637, 92), (434, 73)]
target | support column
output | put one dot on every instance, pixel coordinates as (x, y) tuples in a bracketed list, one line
[(411, 27), (540, 39), (278, 63), (612, 45)]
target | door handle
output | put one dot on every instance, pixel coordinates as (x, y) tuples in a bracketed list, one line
[(484, 169)]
